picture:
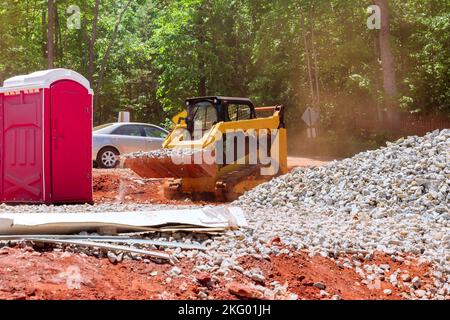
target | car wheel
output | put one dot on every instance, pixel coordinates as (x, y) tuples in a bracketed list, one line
[(108, 158)]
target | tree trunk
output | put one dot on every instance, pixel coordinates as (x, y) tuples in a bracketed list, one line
[(106, 58), (57, 44), (202, 80), (308, 60), (201, 36), (83, 50), (61, 42), (92, 42), (378, 82), (388, 62), (44, 34), (316, 67), (50, 32)]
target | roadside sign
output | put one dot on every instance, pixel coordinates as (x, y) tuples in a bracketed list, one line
[(311, 116), (312, 133), (179, 118), (124, 116)]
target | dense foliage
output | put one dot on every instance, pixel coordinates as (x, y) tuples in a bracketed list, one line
[(291, 52)]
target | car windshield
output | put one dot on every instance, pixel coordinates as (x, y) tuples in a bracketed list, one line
[(103, 126)]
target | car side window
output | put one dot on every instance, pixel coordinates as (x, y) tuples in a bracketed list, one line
[(152, 132), (129, 130), (237, 112)]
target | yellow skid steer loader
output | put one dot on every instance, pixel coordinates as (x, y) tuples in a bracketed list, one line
[(220, 146)]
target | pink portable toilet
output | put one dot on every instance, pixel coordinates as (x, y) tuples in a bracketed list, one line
[(46, 138)]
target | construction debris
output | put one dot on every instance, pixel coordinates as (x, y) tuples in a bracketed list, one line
[(153, 243), (214, 218), (115, 239), (152, 254)]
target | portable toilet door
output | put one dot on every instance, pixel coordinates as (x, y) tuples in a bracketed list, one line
[(71, 121), (46, 138), (21, 130)]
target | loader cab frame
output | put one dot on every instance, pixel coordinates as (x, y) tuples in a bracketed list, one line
[(208, 111)]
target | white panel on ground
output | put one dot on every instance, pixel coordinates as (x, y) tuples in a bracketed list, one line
[(69, 223)]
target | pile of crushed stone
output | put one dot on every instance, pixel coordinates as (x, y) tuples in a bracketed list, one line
[(394, 200)]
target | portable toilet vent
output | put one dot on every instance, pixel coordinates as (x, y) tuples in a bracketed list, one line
[(46, 138)]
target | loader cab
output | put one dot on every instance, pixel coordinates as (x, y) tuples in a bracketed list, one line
[(205, 112)]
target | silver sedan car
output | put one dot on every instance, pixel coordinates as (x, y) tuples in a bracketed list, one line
[(114, 139)]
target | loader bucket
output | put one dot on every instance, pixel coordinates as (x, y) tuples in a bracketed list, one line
[(166, 168)]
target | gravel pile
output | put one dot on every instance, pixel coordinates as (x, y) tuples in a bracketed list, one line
[(411, 175), (395, 200)]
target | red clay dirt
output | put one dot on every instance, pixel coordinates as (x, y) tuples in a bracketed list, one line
[(301, 272), (28, 274), (125, 186), (297, 162)]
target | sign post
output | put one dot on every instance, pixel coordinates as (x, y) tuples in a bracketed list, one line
[(124, 116), (311, 117)]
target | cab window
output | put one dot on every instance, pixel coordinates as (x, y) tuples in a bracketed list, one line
[(237, 112), (204, 116)]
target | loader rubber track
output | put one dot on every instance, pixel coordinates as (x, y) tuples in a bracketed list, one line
[(225, 186)]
